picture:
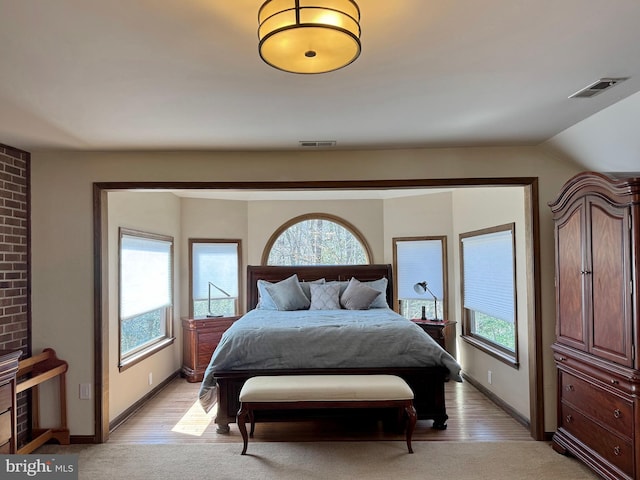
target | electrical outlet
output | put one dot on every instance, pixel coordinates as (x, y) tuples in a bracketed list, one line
[(489, 379), (85, 391), (150, 378)]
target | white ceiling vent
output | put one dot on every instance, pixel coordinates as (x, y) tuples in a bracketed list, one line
[(317, 143), (597, 87)]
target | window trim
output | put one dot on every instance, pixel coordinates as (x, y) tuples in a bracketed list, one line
[(490, 348), (161, 343), (445, 272), (238, 242), (316, 216)]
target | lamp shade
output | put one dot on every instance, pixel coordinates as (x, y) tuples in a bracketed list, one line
[(420, 287), (309, 36)]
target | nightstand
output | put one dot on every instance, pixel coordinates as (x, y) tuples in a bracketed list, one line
[(443, 332), (200, 337)]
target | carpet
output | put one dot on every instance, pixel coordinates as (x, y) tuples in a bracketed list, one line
[(517, 460)]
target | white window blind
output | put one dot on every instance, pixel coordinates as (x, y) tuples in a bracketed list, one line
[(145, 275), (419, 261), (489, 274), (216, 263)]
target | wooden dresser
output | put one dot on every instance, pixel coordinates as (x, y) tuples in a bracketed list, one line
[(200, 337), (597, 247), (8, 370)]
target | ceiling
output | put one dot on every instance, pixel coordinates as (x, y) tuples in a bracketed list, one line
[(185, 74)]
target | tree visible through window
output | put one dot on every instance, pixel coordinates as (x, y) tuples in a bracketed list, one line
[(317, 240)]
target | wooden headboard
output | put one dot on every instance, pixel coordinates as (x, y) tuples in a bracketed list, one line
[(274, 274)]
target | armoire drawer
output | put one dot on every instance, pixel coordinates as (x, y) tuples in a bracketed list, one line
[(614, 449), (606, 407)]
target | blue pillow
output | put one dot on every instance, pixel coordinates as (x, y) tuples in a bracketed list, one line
[(265, 301)]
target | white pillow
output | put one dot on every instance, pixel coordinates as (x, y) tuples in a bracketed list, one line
[(325, 297)]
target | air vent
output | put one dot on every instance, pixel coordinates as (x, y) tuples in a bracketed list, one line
[(597, 87), (317, 143)]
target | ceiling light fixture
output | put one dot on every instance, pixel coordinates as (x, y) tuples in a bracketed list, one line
[(309, 36)]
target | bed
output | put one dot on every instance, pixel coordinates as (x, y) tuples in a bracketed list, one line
[(268, 341)]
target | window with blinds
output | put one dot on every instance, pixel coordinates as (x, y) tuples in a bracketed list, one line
[(145, 291), (215, 277), (416, 260), (489, 290)]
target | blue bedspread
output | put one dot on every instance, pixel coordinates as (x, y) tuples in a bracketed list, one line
[(272, 339)]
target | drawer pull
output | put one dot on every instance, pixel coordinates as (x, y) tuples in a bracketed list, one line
[(617, 451), (569, 419), (614, 381), (617, 413), (569, 388), (562, 359)]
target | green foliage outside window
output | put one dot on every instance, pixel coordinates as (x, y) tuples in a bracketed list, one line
[(495, 330), (142, 329), (224, 307)]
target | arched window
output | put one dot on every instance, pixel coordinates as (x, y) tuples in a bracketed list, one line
[(316, 239)]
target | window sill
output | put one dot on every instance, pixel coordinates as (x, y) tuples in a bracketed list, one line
[(137, 358), (498, 354)]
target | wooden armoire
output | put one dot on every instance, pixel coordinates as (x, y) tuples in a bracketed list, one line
[(597, 275)]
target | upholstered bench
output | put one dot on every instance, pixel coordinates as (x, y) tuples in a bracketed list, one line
[(324, 391)]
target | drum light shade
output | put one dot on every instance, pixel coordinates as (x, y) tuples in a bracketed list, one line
[(309, 36)]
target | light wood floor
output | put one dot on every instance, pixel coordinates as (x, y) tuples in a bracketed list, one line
[(175, 416)]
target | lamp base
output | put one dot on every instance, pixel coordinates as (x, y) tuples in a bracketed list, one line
[(211, 315)]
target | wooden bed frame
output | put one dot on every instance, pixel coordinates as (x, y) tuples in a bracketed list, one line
[(427, 383)]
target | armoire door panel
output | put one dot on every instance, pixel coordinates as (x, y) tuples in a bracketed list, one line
[(608, 279), (569, 282)]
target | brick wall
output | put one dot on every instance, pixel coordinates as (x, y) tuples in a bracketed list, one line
[(15, 313)]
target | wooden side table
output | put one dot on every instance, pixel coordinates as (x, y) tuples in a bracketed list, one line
[(200, 337), (442, 331)]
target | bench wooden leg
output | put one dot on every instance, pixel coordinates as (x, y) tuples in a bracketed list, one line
[(244, 414), (411, 424)]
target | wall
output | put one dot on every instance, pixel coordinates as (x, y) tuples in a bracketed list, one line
[(153, 213), (424, 215), (14, 268), (475, 209), (62, 216), (215, 219)]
